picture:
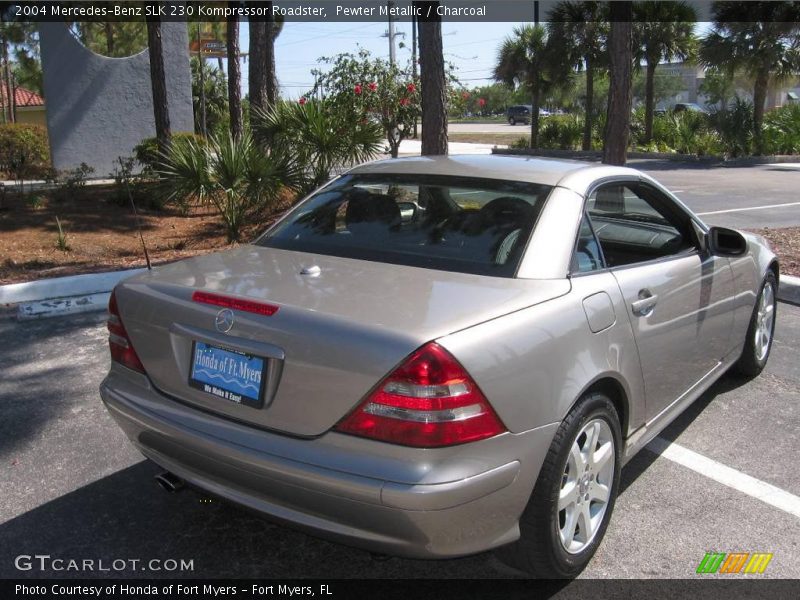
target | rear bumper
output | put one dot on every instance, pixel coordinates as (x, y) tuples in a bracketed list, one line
[(402, 501)]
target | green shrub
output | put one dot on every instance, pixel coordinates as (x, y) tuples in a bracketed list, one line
[(781, 133), (24, 151), (234, 175), (70, 183), (317, 138), (734, 125), (146, 151), (521, 143), (61, 238), (34, 201), (561, 131)]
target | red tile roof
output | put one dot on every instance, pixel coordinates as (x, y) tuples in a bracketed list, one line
[(22, 97)]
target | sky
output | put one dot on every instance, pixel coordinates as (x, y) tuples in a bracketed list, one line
[(471, 47)]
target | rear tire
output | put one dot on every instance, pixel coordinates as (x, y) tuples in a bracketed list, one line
[(511, 121), (758, 343), (572, 501)]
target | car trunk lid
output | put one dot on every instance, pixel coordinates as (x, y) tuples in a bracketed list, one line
[(340, 326)]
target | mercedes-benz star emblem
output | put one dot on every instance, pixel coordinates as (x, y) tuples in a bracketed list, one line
[(224, 320)]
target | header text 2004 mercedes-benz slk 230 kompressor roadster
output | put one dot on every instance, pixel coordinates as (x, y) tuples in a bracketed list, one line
[(431, 357)]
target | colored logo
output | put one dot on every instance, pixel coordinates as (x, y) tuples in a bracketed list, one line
[(734, 562)]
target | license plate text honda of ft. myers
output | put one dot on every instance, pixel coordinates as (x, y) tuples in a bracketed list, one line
[(432, 357)]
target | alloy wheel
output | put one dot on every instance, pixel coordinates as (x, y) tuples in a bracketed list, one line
[(586, 486)]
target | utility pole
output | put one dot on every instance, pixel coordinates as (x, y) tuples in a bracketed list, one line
[(201, 63), (536, 12), (391, 34)]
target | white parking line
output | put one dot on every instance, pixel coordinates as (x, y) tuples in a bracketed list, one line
[(760, 490), (730, 210)]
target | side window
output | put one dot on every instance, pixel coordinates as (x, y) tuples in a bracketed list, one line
[(587, 252), (636, 223)]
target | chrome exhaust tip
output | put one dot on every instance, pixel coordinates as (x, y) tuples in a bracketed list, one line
[(169, 482)]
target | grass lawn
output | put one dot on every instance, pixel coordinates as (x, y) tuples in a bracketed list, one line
[(500, 139)]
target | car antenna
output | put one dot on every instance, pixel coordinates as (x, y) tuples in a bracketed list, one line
[(135, 215)]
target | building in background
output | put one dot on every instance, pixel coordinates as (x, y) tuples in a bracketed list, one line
[(27, 106)]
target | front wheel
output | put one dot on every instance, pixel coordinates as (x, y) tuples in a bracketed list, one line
[(511, 121), (572, 501), (758, 342)]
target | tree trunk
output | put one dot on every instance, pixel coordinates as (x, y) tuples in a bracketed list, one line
[(234, 77), (587, 121), (618, 119), (434, 101), (414, 63), (109, 29), (270, 73), (9, 91), (649, 100), (535, 117), (257, 81), (159, 83), (759, 98)]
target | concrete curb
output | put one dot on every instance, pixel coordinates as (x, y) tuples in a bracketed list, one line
[(62, 295), (44, 309), (789, 289), (63, 287)]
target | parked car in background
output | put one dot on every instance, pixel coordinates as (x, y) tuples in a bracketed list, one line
[(689, 107), (436, 356), (520, 113)]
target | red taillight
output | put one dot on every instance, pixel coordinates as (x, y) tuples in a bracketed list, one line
[(428, 401), (118, 341), (258, 308)]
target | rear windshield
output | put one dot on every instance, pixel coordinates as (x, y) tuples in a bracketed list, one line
[(452, 224)]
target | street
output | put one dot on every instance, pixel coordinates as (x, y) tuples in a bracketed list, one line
[(74, 488)]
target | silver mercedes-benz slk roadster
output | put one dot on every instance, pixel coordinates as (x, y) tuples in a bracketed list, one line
[(432, 357)]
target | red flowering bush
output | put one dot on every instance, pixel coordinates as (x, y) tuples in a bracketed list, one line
[(361, 87)]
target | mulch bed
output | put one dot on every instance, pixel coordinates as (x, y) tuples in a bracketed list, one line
[(102, 236)]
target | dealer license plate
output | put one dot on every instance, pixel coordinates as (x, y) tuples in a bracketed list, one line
[(228, 374)]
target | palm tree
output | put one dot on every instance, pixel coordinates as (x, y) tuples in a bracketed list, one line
[(315, 138), (661, 31), (159, 83), (618, 117), (762, 39), (273, 30), (263, 80), (432, 80), (257, 76), (581, 29), (234, 76), (528, 59), (232, 174)]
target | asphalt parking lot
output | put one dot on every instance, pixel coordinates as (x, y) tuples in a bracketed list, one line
[(74, 488)]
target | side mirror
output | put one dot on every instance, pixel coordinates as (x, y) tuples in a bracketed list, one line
[(722, 241)]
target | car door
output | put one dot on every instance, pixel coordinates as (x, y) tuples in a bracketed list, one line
[(678, 297)]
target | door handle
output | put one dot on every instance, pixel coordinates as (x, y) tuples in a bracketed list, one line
[(644, 306)]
